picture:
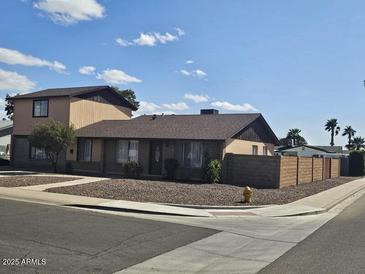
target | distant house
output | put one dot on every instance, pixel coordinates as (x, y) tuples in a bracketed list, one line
[(6, 129), (310, 151), (107, 136)]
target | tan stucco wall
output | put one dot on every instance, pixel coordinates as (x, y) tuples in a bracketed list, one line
[(237, 146), (58, 109), (86, 112)]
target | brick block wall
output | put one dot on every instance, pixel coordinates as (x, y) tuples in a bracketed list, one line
[(288, 171), (317, 169), (249, 170), (304, 170)]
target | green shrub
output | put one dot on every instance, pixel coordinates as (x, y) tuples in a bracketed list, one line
[(356, 163), (214, 171), (171, 165), (132, 169)]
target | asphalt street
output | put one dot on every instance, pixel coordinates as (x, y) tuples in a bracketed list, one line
[(37, 238), (336, 247)]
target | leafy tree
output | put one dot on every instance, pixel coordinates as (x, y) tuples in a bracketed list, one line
[(128, 94), (54, 137), (214, 171), (350, 132), (332, 126), (285, 142), (294, 137), (358, 143), (9, 107)]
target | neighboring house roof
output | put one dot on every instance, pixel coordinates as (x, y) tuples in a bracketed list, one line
[(72, 92), (331, 149), (194, 127), (6, 127), (327, 149)]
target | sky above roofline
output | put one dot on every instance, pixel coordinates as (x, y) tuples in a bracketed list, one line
[(297, 62)]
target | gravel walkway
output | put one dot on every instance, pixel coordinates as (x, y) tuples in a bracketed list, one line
[(16, 181), (190, 193)]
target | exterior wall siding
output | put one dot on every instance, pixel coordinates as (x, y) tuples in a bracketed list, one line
[(86, 112), (238, 146), (24, 122)]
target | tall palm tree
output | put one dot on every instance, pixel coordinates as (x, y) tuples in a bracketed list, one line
[(358, 143), (350, 132), (332, 126), (293, 134)]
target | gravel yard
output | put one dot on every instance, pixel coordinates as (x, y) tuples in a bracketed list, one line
[(194, 193), (15, 181)]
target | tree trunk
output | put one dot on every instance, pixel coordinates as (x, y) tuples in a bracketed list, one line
[(332, 138)]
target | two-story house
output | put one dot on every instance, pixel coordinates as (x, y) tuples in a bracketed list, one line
[(107, 136)]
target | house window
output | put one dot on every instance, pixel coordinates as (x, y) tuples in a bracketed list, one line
[(264, 150), (254, 150), (38, 153), (127, 150), (40, 108), (189, 154), (84, 150)]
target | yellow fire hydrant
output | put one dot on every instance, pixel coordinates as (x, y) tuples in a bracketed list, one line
[(247, 194)]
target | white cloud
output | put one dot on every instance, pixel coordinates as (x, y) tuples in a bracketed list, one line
[(185, 72), (145, 39), (12, 81), (14, 57), (177, 106), (115, 76), (232, 107), (151, 39), (88, 70), (168, 109), (196, 97), (122, 42), (180, 31), (66, 12), (194, 73), (164, 38), (189, 62)]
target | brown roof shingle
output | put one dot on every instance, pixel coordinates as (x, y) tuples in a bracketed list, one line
[(193, 127)]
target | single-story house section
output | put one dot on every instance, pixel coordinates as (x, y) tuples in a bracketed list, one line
[(311, 151), (107, 136), (6, 129)]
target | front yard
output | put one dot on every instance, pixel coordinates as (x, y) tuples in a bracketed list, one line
[(194, 193), (20, 180)]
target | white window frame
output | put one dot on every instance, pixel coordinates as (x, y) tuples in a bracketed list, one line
[(255, 150)]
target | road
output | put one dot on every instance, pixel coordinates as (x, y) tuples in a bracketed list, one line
[(336, 247), (77, 241)]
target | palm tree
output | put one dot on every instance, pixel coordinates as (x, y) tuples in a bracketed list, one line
[(332, 126), (358, 143), (350, 132), (293, 134)]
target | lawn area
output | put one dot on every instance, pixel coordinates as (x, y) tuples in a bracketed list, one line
[(19, 180), (194, 193)]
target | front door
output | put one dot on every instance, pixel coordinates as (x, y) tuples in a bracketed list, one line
[(155, 157)]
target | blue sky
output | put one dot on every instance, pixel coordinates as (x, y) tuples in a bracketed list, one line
[(297, 62)]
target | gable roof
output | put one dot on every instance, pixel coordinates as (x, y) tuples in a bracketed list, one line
[(192, 127), (326, 149), (72, 92)]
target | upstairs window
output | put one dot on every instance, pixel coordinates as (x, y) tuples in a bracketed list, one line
[(40, 108)]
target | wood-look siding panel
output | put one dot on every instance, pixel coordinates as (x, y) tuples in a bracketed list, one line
[(86, 112)]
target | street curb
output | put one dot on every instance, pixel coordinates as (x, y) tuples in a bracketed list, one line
[(327, 208), (215, 207)]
